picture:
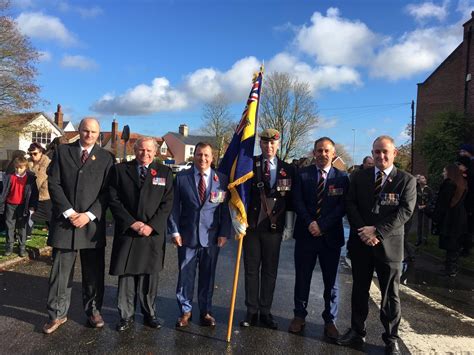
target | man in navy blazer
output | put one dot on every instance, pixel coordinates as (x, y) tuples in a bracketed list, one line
[(318, 199), (200, 225)]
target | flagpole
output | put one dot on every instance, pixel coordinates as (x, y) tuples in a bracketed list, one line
[(234, 290)]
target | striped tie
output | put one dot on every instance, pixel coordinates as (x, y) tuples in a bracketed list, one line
[(202, 188), (320, 193), (378, 183), (266, 171), (84, 156), (143, 171)]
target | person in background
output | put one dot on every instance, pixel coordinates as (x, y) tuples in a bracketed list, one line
[(368, 162), (424, 197), (38, 164), (466, 166), (451, 216), (53, 146), (18, 200)]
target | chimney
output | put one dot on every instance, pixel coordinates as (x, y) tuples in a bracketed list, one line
[(183, 130), (114, 136), (58, 117)]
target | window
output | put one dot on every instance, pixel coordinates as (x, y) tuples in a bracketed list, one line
[(163, 150), (41, 137), (191, 150)]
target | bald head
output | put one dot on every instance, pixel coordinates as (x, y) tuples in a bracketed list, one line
[(89, 130)]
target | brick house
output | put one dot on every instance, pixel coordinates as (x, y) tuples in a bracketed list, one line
[(449, 88)]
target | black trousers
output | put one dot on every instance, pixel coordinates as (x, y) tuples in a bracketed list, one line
[(61, 280), (261, 257), (144, 287), (388, 274), (423, 227), (15, 220)]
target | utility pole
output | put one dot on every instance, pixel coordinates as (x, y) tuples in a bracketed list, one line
[(353, 147), (412, 133)]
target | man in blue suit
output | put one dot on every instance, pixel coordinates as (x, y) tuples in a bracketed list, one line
[(318, 198), (200, 225)]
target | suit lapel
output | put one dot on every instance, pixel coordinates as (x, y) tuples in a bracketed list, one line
[(133, 173), (387, 186), (192, 183), (75, 153), (145, 192)]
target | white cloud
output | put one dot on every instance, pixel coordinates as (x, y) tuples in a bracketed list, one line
[(45, 27), (44, 56), (428, 10), (318, 77), (335, 41), (78, 62), (84, 12), (327, 123), (465, 7), (143, 100), (415, 52)]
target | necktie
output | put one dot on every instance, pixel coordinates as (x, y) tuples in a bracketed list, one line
[(320, 193), (266, 171), (84, 156), (378, 183), (202, 188), (143, 171)]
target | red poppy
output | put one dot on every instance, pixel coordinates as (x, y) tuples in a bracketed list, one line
[(282, 172), (153, 172), (216, 178)]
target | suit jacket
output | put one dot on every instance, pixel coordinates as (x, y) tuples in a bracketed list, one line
[(30, 195), (81, 187), (333, 206), (199, 224), (151, 203), (396, 205), (284, 178)]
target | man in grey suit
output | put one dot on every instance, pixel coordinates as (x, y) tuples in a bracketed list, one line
[(379, 203), (77, 180)]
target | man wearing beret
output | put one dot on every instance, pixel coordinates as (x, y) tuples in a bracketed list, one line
[(270, 197)]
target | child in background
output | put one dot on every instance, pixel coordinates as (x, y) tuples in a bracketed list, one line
[(18, 199)]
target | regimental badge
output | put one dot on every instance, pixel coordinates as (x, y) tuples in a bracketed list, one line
[(283, 185), (335, 191), (160, 181), (217, 196), (282, 172), (216, 178), (93, 157), (389, 199)]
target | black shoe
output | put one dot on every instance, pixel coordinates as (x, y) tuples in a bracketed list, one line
[(417, 244), (22, 253), (351, 337), (392, 349), (268, 321), (465, 253), (251, 319), (152, 322), (8, 250), (124, 324), (451, 273)]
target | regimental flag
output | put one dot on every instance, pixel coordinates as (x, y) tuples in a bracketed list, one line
[(237, 162)]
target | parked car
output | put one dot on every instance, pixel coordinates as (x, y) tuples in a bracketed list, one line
[(178, 167)]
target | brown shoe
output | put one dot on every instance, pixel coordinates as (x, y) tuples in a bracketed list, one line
[(54, 324), (208, 321), (96, 321), (296, 325), (183, 321), (331, 332)]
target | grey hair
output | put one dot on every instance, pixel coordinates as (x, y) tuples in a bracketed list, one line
[(144, 139), (88, 118), (383, 137)]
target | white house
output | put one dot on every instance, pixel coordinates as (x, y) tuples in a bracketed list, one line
[(18, 131)]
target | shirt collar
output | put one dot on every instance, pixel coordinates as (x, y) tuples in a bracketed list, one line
[(20, 176), (386, 171), (326, 169), (88, 149), (206, 172), (273, 161)]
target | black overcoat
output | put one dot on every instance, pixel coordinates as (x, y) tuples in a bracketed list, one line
[(81, 187), (151, 203)]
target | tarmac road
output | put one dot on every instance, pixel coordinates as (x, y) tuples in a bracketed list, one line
[(426, 326)]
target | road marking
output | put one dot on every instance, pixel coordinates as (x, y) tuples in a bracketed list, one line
[(429, 343)]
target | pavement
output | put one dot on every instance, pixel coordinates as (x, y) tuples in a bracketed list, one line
[(436, 315)]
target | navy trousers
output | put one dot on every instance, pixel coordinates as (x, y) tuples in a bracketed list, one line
[(307, 251), (190, 259)]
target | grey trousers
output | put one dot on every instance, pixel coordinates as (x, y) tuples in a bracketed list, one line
[(14, 219), (61, 280), (144, 287)]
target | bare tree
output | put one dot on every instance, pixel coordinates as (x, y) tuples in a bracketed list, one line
[(288, 106), (344, 154), (18, 91), (218, 122)]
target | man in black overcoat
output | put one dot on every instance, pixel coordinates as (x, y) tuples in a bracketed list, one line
[(141, 199), (77, 179), (379, 203)]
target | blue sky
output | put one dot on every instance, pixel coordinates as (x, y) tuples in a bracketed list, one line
[(154, 63)]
